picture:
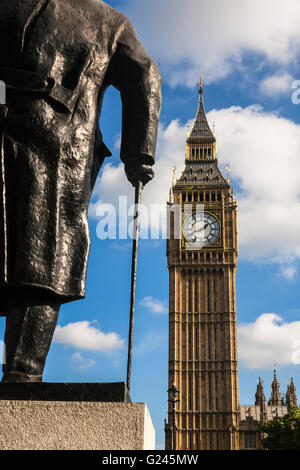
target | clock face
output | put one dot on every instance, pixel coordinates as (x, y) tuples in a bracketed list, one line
[(201, 230)]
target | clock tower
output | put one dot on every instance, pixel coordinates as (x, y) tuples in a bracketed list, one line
[(202, 265)]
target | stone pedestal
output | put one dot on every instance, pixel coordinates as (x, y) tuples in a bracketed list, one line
[(66, 424)]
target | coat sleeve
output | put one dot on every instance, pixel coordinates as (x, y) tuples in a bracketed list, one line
[(137, 76)]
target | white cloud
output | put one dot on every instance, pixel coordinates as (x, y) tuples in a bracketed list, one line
[(263, 151), (113, 182), (80, 362), (290, 271), (83, 335), (212, 37), (152, 342), (154, 305), (112, 177), (170, 151), (277, 84), (267, 340)]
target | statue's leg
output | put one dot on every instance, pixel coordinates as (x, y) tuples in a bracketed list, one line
[(29, 331)]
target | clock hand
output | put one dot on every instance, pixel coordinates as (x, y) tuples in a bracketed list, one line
[(200, 229)]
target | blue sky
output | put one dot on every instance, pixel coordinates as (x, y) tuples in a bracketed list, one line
[(248, 54)]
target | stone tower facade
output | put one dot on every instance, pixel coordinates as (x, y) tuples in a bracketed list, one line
[(291, 396), (202, 265)]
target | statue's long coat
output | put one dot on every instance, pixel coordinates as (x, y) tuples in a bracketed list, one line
[(57, 58)]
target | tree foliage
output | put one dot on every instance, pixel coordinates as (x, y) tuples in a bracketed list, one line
[(283, 433)]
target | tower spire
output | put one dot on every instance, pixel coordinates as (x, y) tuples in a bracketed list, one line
[(259, 395), (275, 399), (201, 142), (260, 400), (291, 396), (174, 175), (201, 151)]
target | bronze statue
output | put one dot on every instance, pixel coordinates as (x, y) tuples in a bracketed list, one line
[(57, 59)]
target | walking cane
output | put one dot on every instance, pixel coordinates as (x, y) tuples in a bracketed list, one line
[(138, 194)]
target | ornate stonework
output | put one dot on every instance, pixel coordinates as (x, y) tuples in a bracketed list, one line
[(203, 341), (202, 264)]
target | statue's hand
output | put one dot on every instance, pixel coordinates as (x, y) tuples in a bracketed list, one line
[(143, 173)]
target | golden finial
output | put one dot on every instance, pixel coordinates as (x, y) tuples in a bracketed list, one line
[(188, 127), (201, 85), (214, 128), (228, 173), (174, 175)]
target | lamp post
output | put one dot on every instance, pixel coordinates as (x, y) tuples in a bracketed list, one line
[(173, 398)]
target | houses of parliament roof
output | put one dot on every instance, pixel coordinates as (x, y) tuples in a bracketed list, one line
[(277, 406)]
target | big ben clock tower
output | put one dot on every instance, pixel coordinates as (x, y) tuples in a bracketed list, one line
[(202, 266)]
